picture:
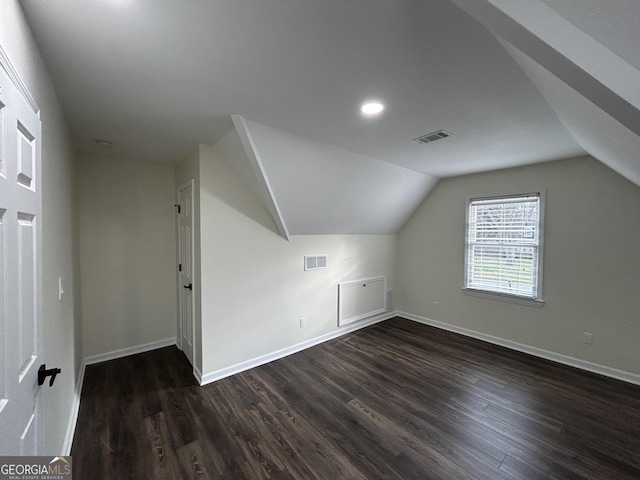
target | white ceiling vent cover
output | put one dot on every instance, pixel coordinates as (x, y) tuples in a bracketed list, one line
[(315, 262), (433, 136)]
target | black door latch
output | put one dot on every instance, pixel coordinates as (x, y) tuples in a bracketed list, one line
[(189, 287), (44, 373)]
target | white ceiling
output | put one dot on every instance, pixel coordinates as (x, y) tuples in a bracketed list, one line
[(614, 24), (585, 79), (324, 189), (159, 77)]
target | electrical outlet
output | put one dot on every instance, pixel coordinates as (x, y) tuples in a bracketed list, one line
[(437, 305), (587, 338), (303, 322)]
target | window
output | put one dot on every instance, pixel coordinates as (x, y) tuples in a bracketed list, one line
[(503, 252)]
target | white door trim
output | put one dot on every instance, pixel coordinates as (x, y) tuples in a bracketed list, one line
[(8, 67), (182, 187)]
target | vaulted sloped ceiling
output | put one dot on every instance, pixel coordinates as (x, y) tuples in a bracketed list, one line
[(515, 82), (584, 57), (323, 189), (239, 150)]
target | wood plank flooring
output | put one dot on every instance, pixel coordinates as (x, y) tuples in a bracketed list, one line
[(397, 400)]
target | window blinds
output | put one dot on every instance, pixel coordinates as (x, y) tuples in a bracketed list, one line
[(503, 241)]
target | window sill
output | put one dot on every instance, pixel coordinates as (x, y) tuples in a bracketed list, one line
[(529, 302)]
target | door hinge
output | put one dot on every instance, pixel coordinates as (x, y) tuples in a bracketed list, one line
[(176, 205), (179, 267)]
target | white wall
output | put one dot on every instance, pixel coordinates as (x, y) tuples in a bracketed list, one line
[(254, 289), (591, 262), (127, 254), (61, 332)]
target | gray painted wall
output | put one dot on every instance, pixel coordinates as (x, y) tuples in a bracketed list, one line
[(591, 262), (127, 254)]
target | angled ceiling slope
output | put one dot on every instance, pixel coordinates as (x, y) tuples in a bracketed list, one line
[(312, 188), (238, 149), (587, 70)]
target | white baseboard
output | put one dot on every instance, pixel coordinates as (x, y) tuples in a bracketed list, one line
[(125, 352), (197, 374), (103, 357), (270, 357), (73, 416), (535, 351)]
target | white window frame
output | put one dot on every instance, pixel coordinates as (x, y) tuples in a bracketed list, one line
[(536, 301)]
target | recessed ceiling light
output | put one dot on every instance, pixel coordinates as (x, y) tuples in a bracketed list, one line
[(372, 108)]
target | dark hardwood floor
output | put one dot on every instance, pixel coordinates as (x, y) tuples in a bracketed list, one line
[(397, 400)]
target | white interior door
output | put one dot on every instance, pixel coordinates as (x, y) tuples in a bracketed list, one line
[(185, 268), (21, 267)]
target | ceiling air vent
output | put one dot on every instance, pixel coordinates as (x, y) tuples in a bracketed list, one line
[(433, 136)]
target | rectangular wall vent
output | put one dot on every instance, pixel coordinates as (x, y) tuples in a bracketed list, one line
[(315, 262), (432, 137)]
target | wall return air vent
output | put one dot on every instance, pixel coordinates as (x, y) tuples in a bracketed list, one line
[(432, 137), (315, 262)]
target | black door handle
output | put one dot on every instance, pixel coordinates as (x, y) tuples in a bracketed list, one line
[(44, 373), (190, 286)]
